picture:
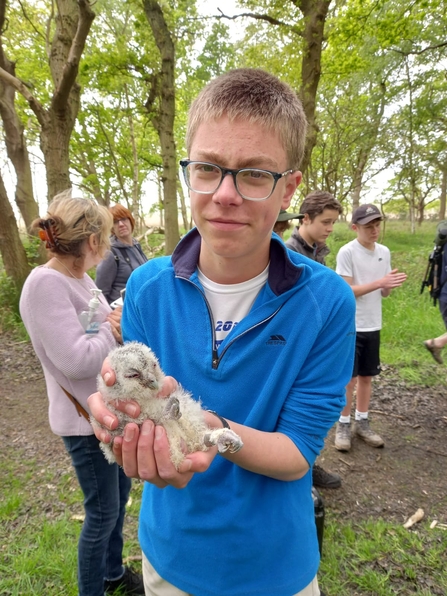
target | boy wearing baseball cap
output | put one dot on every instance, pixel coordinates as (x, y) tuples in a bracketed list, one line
[(366, 266)]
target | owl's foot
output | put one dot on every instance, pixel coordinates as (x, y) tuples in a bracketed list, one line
[(172, 409), (225, 439)]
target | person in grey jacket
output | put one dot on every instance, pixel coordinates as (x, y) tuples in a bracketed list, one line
[(125, 255), (319, 210)]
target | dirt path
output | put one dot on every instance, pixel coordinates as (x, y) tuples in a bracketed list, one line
[(391, 483)]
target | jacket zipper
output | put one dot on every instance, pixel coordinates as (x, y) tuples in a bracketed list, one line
[(215, 360)]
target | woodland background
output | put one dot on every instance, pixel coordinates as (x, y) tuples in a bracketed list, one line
[(95, 94)]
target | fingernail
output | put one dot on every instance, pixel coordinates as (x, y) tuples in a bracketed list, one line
[(186, 466), (129, 434), (107, 377), (147, 427), (108, 421), (131, 410), (158, 432)]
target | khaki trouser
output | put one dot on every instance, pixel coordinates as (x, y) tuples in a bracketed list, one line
[(154, 585)]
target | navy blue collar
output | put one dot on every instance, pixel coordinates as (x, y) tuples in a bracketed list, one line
[(283, 274)]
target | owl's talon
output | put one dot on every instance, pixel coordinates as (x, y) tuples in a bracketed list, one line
[(225, 439)]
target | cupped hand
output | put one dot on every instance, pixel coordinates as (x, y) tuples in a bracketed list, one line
[(144, 453), (107, 419)]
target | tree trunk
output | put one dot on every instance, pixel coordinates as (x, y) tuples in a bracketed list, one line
[(73, 22), (314, 13), (163, 120), (16, 149), (11, 247), (181, 195), (357, 179)]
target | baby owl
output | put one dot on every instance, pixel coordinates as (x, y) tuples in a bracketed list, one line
[(139, 378)]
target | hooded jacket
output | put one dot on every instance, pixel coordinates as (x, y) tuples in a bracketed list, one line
[(113, 272), (283, 368)]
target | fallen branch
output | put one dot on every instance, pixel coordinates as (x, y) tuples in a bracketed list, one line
[(388, 414), (414, 519), (133, 558), (428, 450), (345, 462)]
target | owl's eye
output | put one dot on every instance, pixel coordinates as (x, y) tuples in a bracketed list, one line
[(132, 374)]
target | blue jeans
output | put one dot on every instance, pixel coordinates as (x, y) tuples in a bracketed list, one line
[(106, 490)]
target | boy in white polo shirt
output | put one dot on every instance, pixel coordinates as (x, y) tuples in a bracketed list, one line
[(366, 266)]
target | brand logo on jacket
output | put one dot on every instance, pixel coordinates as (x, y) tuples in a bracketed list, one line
[(276, 340)]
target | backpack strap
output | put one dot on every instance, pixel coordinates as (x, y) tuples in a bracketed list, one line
[(124, 254), (117, 259), (79, 408)]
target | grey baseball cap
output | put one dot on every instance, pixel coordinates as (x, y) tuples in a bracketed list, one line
[(366, 213)]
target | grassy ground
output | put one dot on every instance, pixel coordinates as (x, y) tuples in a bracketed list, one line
[(38, 538), (376, 558)]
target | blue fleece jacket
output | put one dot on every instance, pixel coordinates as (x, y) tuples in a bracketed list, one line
[(283, 368)]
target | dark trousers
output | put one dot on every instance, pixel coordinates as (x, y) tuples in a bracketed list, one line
[(106, 490)]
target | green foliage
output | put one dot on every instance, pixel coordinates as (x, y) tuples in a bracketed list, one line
[(32, 246), (10, 320), (382, 559)]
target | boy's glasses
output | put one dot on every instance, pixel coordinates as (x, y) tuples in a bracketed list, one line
[(252, 184)]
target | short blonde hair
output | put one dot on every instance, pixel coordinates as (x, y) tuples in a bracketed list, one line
[(257, 96), (70, 221)]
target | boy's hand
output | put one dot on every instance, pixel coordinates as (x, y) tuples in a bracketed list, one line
[(105, 417), (144, 453), (393, 279)]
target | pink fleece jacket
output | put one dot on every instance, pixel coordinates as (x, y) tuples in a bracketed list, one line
[(49, 306)]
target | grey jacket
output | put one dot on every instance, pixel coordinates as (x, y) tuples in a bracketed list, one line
[(114, 271), (298, 244)]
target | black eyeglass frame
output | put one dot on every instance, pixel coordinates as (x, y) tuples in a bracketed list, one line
[(184, 163)]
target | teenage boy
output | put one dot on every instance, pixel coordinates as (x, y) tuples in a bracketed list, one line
[(320, 210), (217, 314), (366, 266)]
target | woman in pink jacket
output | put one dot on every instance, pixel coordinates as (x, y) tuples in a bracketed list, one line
[(72, 332)]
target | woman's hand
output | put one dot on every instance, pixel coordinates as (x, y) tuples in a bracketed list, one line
[(114, 319)]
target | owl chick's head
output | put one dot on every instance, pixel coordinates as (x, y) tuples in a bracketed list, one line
[(137, 369)]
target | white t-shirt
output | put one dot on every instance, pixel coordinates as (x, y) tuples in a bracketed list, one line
[(365, 266), (230, 303)]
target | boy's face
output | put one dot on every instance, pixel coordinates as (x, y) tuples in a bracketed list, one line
[(321, 227), (368, 234), (235, 230)]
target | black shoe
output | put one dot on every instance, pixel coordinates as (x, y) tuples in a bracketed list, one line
[(324, 479), (130, 583)]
